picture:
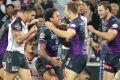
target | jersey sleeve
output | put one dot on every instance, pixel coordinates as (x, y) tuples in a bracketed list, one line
[(72, 26), (115, 24), (16, 25)]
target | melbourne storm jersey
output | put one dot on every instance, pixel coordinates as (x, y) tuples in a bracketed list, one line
[(113, 23), (77, 43), (50, 40)]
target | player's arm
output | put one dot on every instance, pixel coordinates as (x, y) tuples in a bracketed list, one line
[(65, 34), (44, 53), (110, 35), (31, 36), (20, 37), (42, 44)]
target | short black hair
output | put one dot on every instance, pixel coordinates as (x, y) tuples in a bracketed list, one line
[(87, 71), (106, 5), (10, 5), (49, 13), (72, 6), (25, 10)]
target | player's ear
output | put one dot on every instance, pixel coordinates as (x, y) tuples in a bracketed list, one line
[(51, 19), (107, 10)]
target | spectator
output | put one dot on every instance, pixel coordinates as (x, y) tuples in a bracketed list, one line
[(47, 4), (9, 12), (87, 11), (2, 11), (17, 5), (26, 4), (114, 9), (39, 10), (81, 6)]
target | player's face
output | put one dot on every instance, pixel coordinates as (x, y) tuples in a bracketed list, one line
[(30, 46), (9, 10), (67, 12), (102, 12), (29, 16), (56, 18)]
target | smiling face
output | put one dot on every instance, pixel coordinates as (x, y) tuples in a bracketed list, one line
[(102, 12), (55, 19), (29, 16)]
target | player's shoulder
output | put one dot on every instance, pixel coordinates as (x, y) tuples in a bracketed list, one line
[(114, 19), (114, 22)]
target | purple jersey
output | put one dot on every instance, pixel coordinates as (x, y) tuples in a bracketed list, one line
[(3, 43), (114, 45), (51, 41), (77, 43), (4, 38)]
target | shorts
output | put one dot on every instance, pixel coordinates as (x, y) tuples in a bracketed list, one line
[(43, 65), (1, 58), (13, 61), (76, 63), (40, 66), (112, 62)]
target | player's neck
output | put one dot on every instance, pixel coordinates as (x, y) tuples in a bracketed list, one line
[(54, 24), (108, 16), (73, 16)]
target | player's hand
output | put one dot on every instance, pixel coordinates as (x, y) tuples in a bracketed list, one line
[(91, 28), (89, 41), (33, 21), (33, 29), (63, 26), (56, 61)]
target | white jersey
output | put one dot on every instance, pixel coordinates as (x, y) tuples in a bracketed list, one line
[(85, 21), (34, 72), (16, 25)]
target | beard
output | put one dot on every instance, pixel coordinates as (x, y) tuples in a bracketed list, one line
[(105, 16)]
